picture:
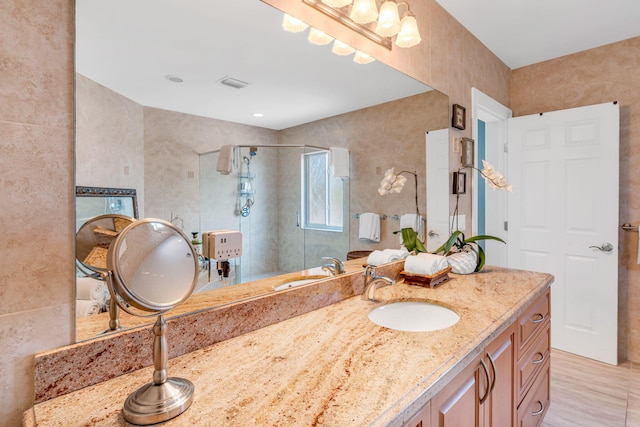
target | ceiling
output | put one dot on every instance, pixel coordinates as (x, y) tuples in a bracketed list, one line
[(524, 32), (130, 46)]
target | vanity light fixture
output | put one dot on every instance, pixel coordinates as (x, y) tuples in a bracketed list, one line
[(364, 11), (292, 24), (362, 58), (389, 19), (341, 48), (319, 38), (409, 35)]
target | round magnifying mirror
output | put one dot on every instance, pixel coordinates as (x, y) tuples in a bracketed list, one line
[(94, 238), (153, 265), (152, 268)]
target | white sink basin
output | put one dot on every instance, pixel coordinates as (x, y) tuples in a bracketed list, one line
[(414, 316), (297, 281)]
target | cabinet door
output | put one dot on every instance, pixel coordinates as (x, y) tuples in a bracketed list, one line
[(500, 405), (422, 418), (456, 405)]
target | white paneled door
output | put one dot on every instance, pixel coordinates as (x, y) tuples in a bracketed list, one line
[(437, 188), (563, 219)]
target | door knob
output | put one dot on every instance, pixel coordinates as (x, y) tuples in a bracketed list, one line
[(433, 233), (606, 247)]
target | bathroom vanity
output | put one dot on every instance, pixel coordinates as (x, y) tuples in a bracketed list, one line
[(333, 366)]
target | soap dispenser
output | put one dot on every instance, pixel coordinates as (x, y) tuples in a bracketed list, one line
[(196, 242)]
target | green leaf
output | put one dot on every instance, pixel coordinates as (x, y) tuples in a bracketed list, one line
[(409, 238), (481, 258), (420, 246), (482, 237)]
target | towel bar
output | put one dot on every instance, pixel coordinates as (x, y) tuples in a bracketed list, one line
[(628, 227), (383, 216)]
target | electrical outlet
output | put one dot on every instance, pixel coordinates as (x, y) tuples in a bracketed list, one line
[(222, 245)]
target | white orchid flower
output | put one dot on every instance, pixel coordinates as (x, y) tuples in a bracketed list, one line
[(391, 183)]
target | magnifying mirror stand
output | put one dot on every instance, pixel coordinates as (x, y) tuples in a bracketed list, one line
[(164, 398)]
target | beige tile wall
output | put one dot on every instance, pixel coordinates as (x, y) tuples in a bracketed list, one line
[(608, 73), (36, 159), (36, 191)]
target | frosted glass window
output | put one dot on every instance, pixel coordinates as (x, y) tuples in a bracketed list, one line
[(322, 194)]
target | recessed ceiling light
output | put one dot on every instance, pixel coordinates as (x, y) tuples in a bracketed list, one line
[(258, 115), (173, 78)]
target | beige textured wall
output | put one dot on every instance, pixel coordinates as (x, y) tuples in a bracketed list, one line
[(36, 190), (608, 73), (109, 139), (36, 158)]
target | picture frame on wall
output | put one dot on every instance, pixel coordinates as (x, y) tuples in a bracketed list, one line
[(459, 182), (459, 116)]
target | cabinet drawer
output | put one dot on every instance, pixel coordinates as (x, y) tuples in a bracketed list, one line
[(422, 418), (535, 405), (533, 360), (533, 320)]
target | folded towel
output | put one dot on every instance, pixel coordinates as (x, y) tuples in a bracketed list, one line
[(339, 161), (386, 255), (424, 263), (369, 227), (90, 289), (415, 221), (225, 160), (86, 308)]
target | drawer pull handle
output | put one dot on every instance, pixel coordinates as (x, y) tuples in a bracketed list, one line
[(486, 374), (536, 413), (540, 360), (493, 368), (538, 318)]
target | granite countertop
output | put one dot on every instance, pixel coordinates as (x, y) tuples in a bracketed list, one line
[(93, 326), (331, 366)]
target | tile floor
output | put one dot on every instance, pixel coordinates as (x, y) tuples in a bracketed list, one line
[(586, 393)]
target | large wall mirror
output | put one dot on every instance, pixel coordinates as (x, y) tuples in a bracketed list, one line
[(152, 112)]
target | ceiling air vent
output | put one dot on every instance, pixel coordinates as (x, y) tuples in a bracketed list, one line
[(234, 83)]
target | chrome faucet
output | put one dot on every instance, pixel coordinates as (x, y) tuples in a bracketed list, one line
[(335, 266), (373, 282)]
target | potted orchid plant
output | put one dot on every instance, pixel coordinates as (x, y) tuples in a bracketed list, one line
[(463, 254)]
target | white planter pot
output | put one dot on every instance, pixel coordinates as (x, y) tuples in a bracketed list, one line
[(462, 262)]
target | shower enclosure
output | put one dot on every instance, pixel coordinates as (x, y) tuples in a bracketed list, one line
[(266, 197)]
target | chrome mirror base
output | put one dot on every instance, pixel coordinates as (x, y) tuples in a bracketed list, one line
[(152, 404)]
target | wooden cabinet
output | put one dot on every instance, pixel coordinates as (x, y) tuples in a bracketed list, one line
[(483, 393), (506, 385), (422, 418), (532, 375)]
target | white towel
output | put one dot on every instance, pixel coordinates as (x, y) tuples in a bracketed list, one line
[(424, 263), (369, 227), (225, 160), (339, 161), (415, 221), (386, 255), (90, 289), (86, 308)]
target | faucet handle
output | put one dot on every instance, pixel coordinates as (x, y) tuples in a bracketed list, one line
[(369, 270), (338, 265)]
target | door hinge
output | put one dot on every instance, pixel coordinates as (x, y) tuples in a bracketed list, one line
[(506, 147), (506, 226)]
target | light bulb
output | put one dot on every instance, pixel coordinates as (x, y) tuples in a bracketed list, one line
[(342, 49), (408, 35), (389, 20), (318, 37), (362, 58), (292, 24), (364, 11)]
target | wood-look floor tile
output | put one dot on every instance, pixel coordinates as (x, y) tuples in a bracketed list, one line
[(586, 393)]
